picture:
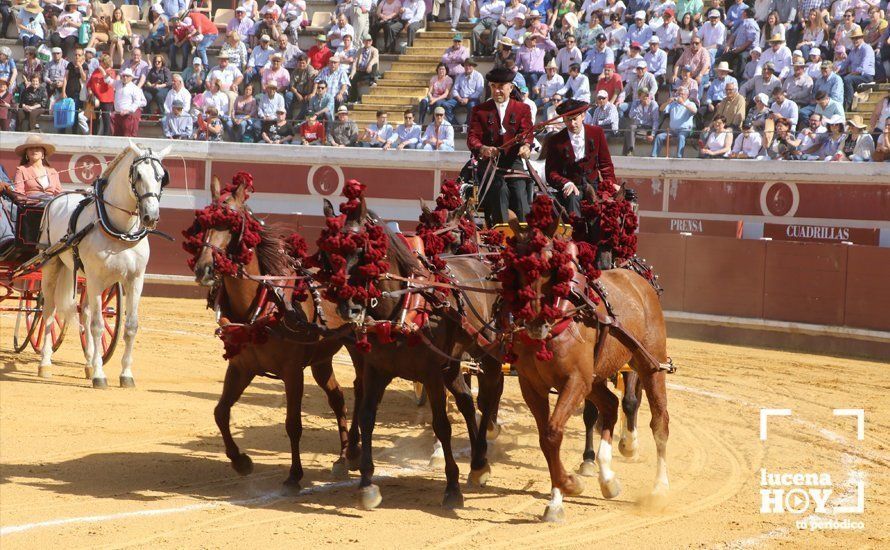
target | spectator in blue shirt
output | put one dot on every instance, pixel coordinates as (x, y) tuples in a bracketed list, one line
[(734, 14), (407, 135), (745, 35), (639, 31), (642, 119), (468, 91), (596, 58), (681, 112), (859, 66)]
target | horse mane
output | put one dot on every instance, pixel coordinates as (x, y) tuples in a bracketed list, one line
[(398, 250), (115, 161), (271, 253)]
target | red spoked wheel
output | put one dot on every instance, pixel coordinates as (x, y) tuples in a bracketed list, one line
[(29, 324), (111, 319)]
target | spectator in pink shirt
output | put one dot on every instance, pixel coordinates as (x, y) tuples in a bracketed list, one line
[(276, 73), (454, 57)]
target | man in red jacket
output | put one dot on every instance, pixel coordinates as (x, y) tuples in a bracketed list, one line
[(577, 155), (493, 124)]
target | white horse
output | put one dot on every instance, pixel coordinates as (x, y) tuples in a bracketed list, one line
[(115, 250)]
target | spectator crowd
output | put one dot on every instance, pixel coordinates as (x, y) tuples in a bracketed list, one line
[(768, 79)]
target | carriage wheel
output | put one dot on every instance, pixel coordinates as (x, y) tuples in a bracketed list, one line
[(32, 317), (419, 394), (21, 336), (111, 318)]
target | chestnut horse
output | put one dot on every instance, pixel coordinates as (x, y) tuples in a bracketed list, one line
[(279, 357), (577, 374), (434, 362)]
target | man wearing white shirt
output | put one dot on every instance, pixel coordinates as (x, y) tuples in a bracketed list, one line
[(128, 103), (338, 30), (668, 33), (713, 35), (413, 13), (227, 77), (178, 92), (378, 133), (811, 137), (516, 33), (576, 87), (656, 59), (568, 55), (260, 55), (605, 115), (779, 55), (439, 136), (490, 13), (748, 144)]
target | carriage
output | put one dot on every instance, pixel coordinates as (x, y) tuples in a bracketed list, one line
[(21, 286)]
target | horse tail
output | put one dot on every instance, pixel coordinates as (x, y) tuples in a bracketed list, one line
[(65, 291)]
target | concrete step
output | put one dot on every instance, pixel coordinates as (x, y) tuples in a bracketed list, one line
[(446, 25), (398, 91), (420, 58), (427, 51), (374, 107), (391, 81), (446, 34), (372, 99)]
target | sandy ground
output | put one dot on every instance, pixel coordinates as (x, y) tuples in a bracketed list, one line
[(145, 467)]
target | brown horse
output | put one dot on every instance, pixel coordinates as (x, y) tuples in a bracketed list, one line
[(279, 357), (435, 362), (577, 374)]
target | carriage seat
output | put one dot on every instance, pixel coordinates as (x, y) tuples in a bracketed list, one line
[(20, 224)]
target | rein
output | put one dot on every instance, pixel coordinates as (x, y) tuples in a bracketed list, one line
[(101, 184)]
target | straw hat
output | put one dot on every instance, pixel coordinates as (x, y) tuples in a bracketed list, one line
[(35, 140), (723, 66), (33, 7), (856, 120), (776, 38), (857, 33)]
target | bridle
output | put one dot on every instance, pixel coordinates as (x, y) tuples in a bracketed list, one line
[(161, 175)]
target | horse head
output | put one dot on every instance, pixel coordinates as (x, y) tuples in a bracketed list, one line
[(355, 252), (148, 177), (219, 233), (534, 275)]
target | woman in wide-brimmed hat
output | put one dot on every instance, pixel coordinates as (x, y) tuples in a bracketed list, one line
[(34, 176), (31, 24), (859, 145)]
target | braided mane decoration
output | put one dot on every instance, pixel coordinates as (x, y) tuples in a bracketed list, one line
[(617, 230), (524, 261), (217, 215), (335, 246), (298, 251)]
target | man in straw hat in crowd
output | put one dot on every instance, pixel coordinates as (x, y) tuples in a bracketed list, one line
[(779, 55), (548, 86), (764, 83), (799, 86), (858, 68), (577, 156), (717, 90), (494, 124)]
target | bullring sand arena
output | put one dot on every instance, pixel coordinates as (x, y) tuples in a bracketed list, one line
[(145, 467)]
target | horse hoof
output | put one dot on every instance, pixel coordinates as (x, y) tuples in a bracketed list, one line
[(587, 468), (44, 372), (494, 430), (127, 382), (369, 497), (243, 464), (627, 447), (479, 478), (554, 514), (339, 470), (453, 500), (354, 463), (574, 486), (100, 383), (611, 488), (292, 485), (88, 373)]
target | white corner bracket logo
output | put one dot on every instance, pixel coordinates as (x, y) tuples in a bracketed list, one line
[(801, 492)]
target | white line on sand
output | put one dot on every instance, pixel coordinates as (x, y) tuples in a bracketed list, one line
[(264, 499)]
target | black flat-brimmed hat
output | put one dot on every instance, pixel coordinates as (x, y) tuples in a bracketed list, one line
[(500, 75), (570, 105)]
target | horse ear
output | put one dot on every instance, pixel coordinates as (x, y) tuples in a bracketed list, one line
[(240, 193), (514, 224), (165, 151), (362, 211), (214, 187), (424, 208), (329, 209), (135, 148)]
